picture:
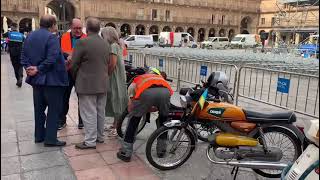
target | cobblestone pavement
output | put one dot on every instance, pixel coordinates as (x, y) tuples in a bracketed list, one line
[(21, 159)]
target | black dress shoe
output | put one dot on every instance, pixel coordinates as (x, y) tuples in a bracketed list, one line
[(19, 83), (58, 143), (84, 146), (123, 157), (38, 141)]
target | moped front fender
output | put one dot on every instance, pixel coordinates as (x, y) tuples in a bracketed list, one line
[(178, 123)]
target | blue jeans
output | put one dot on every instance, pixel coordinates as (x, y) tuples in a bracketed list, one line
[(46, 125)]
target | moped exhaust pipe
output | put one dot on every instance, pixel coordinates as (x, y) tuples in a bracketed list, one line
[(250, 164)]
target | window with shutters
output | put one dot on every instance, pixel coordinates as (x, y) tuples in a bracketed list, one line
[(167, 15), (154, 14)]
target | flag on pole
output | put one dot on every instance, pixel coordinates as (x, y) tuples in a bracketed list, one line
[(203, 98)]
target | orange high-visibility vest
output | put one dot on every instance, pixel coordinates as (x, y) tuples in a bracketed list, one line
[(66, 42), (145, 81)]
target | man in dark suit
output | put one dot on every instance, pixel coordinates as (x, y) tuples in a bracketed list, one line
[(89, 67), (46, 73)]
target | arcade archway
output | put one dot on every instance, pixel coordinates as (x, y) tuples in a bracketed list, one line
[(125, 30), (222, 33), (245, 25), (25, 25), (65, 12), (154, 30), (201, 34), (212, 32), (179, 29), (140, 30), (166, 29), (111, 24), (191, 31)]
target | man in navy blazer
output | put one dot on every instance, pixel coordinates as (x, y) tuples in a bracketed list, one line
[(46, 73)]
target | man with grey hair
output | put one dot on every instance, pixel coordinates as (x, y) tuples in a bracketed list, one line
[(68, 42), (89, 68)]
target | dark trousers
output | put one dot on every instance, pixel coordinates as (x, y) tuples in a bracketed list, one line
[(66, 98), (132, 128), (18, 70), (46, 125)]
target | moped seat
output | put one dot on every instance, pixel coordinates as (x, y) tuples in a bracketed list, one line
[(259, 117)]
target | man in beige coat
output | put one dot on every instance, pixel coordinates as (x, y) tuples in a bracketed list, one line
[(90, 70)]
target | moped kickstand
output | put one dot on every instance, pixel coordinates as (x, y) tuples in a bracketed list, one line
[(236, 173)]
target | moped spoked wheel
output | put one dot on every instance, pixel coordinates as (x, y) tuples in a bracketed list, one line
[(287, 142), (203, 131), (123, 122), (169, 147)]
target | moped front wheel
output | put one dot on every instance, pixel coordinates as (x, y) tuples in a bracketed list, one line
[(169, 147)]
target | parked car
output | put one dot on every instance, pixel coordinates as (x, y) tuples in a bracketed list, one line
[(216, 43), (245, 40), (139, 41)]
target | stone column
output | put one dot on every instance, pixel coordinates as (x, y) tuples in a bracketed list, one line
[(278, 38), (41, 7), (196, 34), (133, 28), (297, 40), (81, 11), (206, 34), (147, 29)]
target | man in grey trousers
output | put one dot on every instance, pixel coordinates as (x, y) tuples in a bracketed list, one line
[(89, 68)]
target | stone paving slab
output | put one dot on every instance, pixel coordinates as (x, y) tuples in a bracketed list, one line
[(11, 177), (42, 160), (10, 165), (52, 173)]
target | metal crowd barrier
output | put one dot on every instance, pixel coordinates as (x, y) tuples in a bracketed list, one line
[(279, 88), (185, 71), (288, 90)]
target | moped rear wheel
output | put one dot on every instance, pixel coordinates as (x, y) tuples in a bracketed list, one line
[(123, 122), (287, 142)]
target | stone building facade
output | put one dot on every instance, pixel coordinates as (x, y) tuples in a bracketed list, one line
[(201, 18)]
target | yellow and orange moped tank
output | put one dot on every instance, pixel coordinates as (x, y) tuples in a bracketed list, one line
[(221, 111)]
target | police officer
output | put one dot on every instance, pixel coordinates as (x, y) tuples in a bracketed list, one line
[(147, 91), (15, 46)]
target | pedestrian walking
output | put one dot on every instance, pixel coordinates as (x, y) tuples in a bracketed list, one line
[(89, 67), (46, 73), (117, 98), (68, 42), (15, 41)]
